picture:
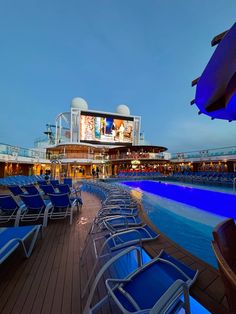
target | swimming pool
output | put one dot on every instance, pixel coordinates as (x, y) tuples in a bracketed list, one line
[(185, 214)]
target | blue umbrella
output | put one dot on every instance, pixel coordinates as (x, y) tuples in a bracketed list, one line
[(216, 87)]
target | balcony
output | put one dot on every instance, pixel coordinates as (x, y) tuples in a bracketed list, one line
[(9, 153), (138, 156), (207, 154)]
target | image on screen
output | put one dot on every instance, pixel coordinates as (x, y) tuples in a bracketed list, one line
[(106, 129)]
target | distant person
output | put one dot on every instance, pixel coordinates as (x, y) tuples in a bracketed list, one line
[(113, 131), (97, 172), (93, 172), (47, 175)]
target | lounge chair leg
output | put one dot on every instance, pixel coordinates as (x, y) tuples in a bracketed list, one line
[(186, 300), (45, 220), (45, 217), (17, 220), (29, 251)]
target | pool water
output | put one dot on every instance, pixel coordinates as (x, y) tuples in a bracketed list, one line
[(186, 215), (203, 186), (215, 202)]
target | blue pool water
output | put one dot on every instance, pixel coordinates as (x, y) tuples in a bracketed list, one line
[(187, 215), (222, 204)]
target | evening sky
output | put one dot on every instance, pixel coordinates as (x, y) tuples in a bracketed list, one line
[(143, 53)]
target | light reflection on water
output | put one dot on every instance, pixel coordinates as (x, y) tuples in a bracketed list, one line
[(186, 225)]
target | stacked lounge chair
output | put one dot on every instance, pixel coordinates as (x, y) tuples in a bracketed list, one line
[(133, 282)]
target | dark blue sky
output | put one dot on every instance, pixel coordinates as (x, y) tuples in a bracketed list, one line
[(140, 53)]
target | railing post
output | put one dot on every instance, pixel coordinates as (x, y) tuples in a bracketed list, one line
[(234, 181)]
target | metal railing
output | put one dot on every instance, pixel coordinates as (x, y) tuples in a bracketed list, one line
[(206, 153), (142, 156), (17, 151)]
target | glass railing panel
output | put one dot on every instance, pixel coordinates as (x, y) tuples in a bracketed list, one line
[(20, 152), (225, 151), (3, 149)]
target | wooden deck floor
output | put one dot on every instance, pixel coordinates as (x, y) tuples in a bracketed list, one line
[(50, 280)]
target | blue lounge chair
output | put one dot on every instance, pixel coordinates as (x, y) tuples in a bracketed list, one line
[(64, 188), (68, 181), (31, 189), (54, 183), (122, 239), (113, 210), (121, 200), (48, 189), (16, 190), (12, 237), (36, 208), (115, 223), (156, 287), (67, 188), (121, 222), (62, 206), (41, 181), (10, 209)]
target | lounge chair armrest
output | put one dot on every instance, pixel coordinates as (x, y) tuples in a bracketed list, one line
[(168, 299), (22, 208), (110, 281), (172, 295), (108, 226), (9, 243), (107, 207), (131, 230), (19, 212), (48, 207), (46, 211), (104, 218), (117, 235), (87, 309)]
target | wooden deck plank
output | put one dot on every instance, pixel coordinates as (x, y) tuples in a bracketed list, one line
[(67, 291), (75, 300), (216, 289), (206, 278), (39, 278), (41, 297), (52, 280), (63, 284), (18, 289)]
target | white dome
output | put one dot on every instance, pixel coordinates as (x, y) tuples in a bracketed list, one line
[(79, 103), (123, 109)]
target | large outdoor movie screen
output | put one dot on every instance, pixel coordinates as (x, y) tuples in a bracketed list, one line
[(106, 129)]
